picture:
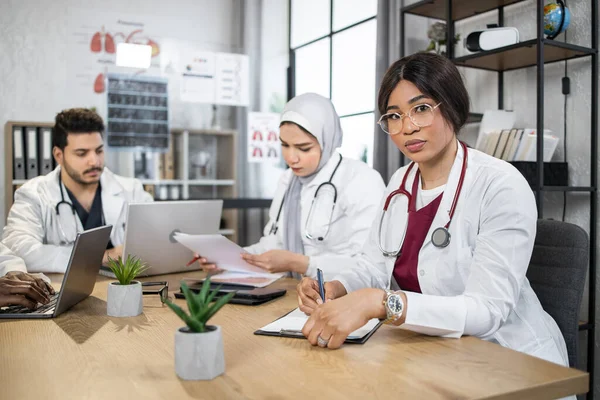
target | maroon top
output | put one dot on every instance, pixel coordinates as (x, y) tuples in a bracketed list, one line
[(419, 222)]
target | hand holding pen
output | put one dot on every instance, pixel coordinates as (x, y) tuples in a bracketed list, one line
[(312, 293)]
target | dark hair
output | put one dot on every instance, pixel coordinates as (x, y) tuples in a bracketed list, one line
[(75, 120), (436, 77)]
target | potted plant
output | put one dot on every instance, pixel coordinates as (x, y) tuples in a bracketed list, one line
[(437, 34), (199, 347), (124, 297)]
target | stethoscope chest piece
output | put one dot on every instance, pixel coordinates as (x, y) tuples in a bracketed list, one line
[(440, 237)]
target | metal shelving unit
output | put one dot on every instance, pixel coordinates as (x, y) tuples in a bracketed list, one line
[(531, 53)]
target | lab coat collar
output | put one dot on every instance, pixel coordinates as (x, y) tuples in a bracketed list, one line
[(112, 199)]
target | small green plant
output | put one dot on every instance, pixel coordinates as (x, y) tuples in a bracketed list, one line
[(128, 270), (201, 306)]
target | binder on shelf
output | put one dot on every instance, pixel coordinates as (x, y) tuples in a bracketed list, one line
[(18, 153), (45, 150), (31, 140)]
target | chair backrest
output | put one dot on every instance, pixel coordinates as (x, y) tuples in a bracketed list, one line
[(557, 274)]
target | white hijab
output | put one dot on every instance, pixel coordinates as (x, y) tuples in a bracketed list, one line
[(317, 115)]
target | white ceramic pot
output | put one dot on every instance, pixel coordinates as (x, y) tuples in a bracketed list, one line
[(124, 300), (199, 356)]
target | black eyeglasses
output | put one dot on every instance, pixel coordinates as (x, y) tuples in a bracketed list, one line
[(163, 292)]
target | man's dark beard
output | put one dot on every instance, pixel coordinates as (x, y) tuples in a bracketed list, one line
[(77, 177)]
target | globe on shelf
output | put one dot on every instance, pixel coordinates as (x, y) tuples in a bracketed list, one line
[(553, 14)]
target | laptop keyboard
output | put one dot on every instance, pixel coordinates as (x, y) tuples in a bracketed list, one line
[(42, 308)]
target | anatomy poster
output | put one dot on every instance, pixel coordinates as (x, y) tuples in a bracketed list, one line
[(92, 46), (263, 138)]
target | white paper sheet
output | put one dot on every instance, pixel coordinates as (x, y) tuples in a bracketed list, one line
[(223, 252), (294, 322)]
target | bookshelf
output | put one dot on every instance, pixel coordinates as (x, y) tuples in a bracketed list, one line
[(222, 185), (530, 53)]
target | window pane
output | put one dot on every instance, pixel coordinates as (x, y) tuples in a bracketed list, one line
[(310, 20), (348, 12), (312, 68), (354, 69), (358, 137)]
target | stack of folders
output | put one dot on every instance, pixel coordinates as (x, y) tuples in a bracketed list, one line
[(516, 144), (32, 151)]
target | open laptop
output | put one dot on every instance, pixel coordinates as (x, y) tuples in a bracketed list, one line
[(151, 226), (79, 280)]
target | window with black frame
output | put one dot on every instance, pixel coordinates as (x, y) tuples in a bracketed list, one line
[(333, 53)]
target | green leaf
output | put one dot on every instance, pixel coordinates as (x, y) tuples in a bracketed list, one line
[(216, 306), (204, 290), (193, 306), (212, 295), (431, 46), (193, 324)]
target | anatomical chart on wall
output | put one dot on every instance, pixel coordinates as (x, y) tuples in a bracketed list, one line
[(93, 39), (263, 138)]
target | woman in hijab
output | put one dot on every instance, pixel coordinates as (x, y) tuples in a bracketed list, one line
[(324, 204)]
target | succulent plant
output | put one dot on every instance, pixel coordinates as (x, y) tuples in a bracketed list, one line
[(201, 305)]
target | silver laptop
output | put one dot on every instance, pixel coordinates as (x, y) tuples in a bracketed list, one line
[(151, 226), (79, 280)]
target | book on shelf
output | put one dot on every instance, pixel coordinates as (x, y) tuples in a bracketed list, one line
[(516, 144)]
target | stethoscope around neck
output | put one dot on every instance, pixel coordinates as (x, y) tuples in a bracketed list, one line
[(441, 235), (307, 234), (64, 202)]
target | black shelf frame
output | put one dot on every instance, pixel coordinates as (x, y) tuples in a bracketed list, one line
[(546, 51)]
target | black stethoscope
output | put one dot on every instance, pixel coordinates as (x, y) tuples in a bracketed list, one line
[(308, 235), (65, 202), (441, 235)]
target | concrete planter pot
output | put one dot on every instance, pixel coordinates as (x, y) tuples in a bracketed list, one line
[(199, 356), (124, 300)]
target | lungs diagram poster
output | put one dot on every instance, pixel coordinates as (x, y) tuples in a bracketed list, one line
[(93, 38), (263, 138)]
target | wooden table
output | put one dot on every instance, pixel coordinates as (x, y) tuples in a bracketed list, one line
[(84, 354)]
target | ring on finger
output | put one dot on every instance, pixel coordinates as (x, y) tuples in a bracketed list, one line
[(322, 342)]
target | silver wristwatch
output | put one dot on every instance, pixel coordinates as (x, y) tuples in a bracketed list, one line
[(394, 306)]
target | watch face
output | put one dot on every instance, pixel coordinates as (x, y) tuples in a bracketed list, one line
[(394, 304)]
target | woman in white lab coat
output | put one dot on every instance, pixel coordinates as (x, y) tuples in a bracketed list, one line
[(468, 221), (307, 229)]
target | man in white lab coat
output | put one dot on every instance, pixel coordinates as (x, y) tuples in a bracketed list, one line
[(17, 287), (80, 194)]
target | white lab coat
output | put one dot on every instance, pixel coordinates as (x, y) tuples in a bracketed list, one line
[(32, 230), (9, 261), (359, 190), (476, 285)]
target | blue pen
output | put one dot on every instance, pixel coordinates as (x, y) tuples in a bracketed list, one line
[(321, 284)]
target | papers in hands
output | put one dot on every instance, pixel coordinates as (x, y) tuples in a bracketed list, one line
[(227, 256), (294, 322)]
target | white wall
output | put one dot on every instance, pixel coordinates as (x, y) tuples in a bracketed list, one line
[(34, 49)]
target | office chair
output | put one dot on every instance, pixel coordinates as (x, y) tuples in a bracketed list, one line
[(557, 274)]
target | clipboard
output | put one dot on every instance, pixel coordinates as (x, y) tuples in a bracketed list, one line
[(298, 334)]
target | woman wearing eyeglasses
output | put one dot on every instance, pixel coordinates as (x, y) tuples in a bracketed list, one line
[(324, 203), (448, 251)]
